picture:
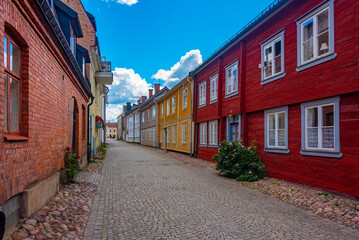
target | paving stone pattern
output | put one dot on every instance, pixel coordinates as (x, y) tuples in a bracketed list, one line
[(144, 194), (88, 177)]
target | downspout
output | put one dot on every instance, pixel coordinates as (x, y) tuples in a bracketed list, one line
[(194, 100), (191, 131), (157, 125), (88, 130)]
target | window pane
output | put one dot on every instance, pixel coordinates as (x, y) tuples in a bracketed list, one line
[(229, 78), (235, 78), (281, 137), (271, 135), (308, 50), (323, 22), (6, 102), (281, 120), (312, 118), (277, 57), (14, 59), (328, 115), (328, 137), (323, 43), (268, 62), (5, 52), (271, 121), (14, 105), (308, 40), (308, 30), (312, 134)]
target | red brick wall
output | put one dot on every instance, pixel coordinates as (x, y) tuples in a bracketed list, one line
[(51, 84)]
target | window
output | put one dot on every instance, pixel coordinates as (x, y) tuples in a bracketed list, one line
[(214, 88), (83, 67), (273, 58), (72, 40), (203, 134), (143, 117), (168, 135), (184, 132), (12, 88), (232, 79), (174, 135), (320, 128), (154, 113), (173, 105), (143, 136), (147, 115), (161, 110), (276, 130), (146, 135), (184, 98), (202, 94), (315, 32), (213, 133), (168, 107), (161, 135)]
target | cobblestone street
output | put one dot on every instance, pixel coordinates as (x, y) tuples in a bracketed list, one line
[(143, 194)]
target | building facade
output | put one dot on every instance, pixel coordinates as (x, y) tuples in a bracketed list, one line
[(175, 118), (149, 117), (111, 130), (43, 106), (288, 81)]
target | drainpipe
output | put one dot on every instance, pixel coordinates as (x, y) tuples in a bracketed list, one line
[(88, 130), (191, 143), (195, 113)]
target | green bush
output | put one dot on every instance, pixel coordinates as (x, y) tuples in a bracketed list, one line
[(72, 165), (239, 162)]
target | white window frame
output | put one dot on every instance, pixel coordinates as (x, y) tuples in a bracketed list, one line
[(270, 42), (168, 135), (143, 117), (202, 94), (162, 110), (168, 107), (213, 133), (301, 65), (184, 133), (322, 152), (83, 67), (213, 85), (203, 134), (153, 112), (148, 115), (173, 107), (184, 98), (174, 134), (161, 135), (234, 91), (276, 148)]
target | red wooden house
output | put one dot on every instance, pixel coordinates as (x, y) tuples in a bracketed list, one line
[(289, 80)]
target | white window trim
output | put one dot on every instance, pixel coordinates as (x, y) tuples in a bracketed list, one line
[(184, 101), (212, 144), (184, 133), (235, 63), (213, 78), (174, 134), (325, 57), (153, 113), (168, 135), (143, 117), (276, 149), (173, 106), (162, 110), (204, 85), (204, 142), (322, 152), (270, 41)]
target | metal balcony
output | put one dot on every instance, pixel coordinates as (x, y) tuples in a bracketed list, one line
[(104, 76)]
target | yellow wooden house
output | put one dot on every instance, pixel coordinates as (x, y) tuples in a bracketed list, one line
[(175, 122)]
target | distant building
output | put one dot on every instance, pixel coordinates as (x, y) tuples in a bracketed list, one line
[(111, 130)]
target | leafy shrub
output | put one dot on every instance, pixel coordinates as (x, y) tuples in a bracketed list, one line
[(72, 165), (239, 162)]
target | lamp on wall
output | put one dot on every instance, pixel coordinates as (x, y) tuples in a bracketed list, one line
[(324, 47), (231, 119)]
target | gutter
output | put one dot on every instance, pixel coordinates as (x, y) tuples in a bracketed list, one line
[(88, 130), (194, 102)]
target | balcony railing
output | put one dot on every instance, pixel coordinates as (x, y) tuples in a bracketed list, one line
[(105, 66)]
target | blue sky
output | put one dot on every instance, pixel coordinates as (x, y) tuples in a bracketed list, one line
[(151, 41)]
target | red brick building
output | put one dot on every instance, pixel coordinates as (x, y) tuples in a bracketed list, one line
[(43, 97), (289, 80)]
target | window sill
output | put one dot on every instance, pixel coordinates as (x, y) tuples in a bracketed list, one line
[(321, 154), (213, 101), (316, 62), (231, 94), (213, 146), (203, 145), (276, 150), (274, 78), (12, 137), (201, 106)]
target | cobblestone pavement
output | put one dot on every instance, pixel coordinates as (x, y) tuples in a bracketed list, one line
[(88, 177), (143, 194)]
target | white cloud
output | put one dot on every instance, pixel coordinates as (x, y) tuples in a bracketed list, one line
[(127, 86), (125, 2), (186, 64)]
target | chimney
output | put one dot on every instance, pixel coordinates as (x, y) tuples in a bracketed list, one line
[(150, 92), (138, 102), (143, 99), (128, 107), (157, 87)]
